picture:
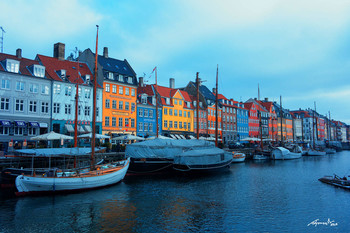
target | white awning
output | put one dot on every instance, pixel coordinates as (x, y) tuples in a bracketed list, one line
[(177, 136), (69, 128), (172, 135), (81, 129), (181, 136), (43, 125), (88, 128), (191, 137)]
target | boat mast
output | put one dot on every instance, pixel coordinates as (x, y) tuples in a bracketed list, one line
[(216, 107), (157, 127), (197, 105), (76, 113), (260, 124), (92, 165), (329, 125), (281, 115), (316, 122), (313, 129)]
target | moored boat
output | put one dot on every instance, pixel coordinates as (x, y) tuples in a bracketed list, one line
[(281, 153), (260, 157), (238, 157), (336, 181), (330, 151), (313, 152)]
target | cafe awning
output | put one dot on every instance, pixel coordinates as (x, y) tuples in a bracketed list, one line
[(5, 123), (34, 124), (20, 123), (69, 128)]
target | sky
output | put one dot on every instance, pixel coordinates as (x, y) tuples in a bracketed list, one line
[(298, 49)]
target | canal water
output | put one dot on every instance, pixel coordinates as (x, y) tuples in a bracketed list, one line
[(274, 196)]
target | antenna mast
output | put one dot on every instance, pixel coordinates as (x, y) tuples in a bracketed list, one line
[(2, 39)]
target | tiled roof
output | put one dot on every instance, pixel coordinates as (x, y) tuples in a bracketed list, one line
[(116, 66), (306, 113), (221, 97), (73, 69), (145, 90), (23, 65)]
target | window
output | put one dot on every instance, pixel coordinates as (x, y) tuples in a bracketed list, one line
[(188, 104), (4, 130), (19, 105), (107, 103), (151, 113), (140, 112), (126, 105), (121, 105), (114, 89), (120, 90), (87, 93), (165, 111), (18, 131), (120, 122), (145, 127), (120, 78), (175, 101), (129, 79), (12, 66), (114, 104), (126, 91), (32, 131), (143, 99), (57, 88), (140, 126), (114, 121), (32, 106), (67, 109), (165, 124), (180, 112), (132, 123), (150, 127), (175, 112), (79, 110), (133, 107), (170, 112), (68, 91), (106, 121), (132, 92), (110, 75), (180, 102), (185, 125), (5, 104), (146, 113), (45, 107), (170, 124), (180, 124), (184, 113), (87, 110), (189, 126), (44, 89), (5, 84), (97, 112), (189, 114), (19, 86), (167, 100), (175, 124), (107, 87), (126, 122)]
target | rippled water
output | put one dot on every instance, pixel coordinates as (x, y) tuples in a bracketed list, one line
[(275, 196)]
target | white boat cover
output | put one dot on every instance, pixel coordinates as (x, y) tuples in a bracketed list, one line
[(164, 148), (206, 156)]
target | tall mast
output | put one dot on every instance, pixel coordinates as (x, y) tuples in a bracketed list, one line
[(281, 115), (329, 125), (216, 107), (157, 128), (313, 128), (316, 122), (76, 113), (260, 124), (94, 108), (197, 105)]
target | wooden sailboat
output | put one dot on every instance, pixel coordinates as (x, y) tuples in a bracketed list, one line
[(77, 179)]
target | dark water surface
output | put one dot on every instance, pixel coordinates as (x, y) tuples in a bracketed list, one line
[(274, 196)]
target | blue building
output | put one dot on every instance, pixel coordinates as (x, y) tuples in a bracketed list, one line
[(242, 122), (146, 111)]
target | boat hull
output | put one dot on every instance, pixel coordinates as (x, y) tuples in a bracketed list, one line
[(316, 153), (338, 182), (238, 158), (281, 153), (31, 185), (148, 166), (260, 157)]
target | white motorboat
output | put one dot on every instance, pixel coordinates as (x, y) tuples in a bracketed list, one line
[(313, 152), (281, 153), (238, 157), (73, 180), (260, 157)]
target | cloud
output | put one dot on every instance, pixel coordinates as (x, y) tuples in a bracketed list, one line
[(43, 21)]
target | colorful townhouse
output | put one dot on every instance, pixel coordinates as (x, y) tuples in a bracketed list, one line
[(119, 92), (242, 121), (229, 119), (202, 118), (307, 124), (297, 127), (25, 94), (321, 128), (67, 77), (284, 123), (146, 111), (253, 118), (177, 112), (272, 118), (212, 119), (263, 118)]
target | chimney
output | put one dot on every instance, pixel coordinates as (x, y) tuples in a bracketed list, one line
[(266, 99), (105, 52), (214, 90), (58, 51), (172, 83), (140, 81), (19, 53)]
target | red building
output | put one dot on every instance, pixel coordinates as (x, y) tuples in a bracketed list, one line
[(253, 122)]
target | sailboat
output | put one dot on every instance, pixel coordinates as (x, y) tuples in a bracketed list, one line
[(315, 151), (57, 181)]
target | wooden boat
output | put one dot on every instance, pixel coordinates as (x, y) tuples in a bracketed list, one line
[(238, 157), (313, 152), (336, 181), (74, 180), (330, 151), (260, 157)]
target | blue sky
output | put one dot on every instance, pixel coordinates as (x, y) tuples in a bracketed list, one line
[(297, 49)]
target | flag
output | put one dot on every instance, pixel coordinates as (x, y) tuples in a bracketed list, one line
[(154, 69)]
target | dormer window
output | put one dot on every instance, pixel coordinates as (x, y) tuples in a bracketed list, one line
[(167, 100), (62, 74), (200, 104), (154, 100), (12, 65), (188, 104), (195, 103), (87, 79), (144, 99), (39, 71), (110, 75), (120, 78), (129, 79)]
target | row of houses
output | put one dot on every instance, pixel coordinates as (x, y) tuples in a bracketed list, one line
[(40, 95)]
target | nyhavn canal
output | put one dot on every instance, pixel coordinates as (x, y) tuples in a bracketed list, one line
[(273, 196)]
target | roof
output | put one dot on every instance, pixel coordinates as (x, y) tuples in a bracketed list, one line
[(116, 66), (205, 92), (23, 65), (147, 89), (301, 112), (74, 70), (167, 92)]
